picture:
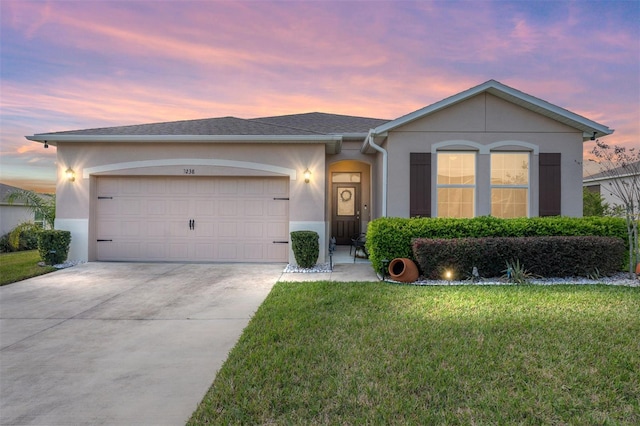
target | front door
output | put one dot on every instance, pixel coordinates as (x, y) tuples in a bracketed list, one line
[(345, 217)]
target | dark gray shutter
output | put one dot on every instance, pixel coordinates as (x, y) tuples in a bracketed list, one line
[(550, 184), (420, 184)]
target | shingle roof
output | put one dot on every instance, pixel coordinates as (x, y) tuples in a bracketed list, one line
[(325, 123), (626, 170), (314, 123), (5, 190)]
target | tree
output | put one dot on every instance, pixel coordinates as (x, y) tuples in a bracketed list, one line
[(621, 169), (41, 205), (593, 204)]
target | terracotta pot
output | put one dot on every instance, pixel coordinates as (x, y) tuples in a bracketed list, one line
[(637, 268), (403, 270)]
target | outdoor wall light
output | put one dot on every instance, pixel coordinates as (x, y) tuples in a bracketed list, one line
[(46, 145), (307, 175), (70, 174), (448, 274)]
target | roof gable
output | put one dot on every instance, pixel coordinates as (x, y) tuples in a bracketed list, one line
[(589, 128)]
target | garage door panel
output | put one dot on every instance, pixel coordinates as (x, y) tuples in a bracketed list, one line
[(106, 228), (179, 251), (130, 207), (228, 187), (226, 230), (253, 230), (131, 229), (275, 252), (277, 231), (204, 229), (156, 207), (155, 186), (253, 208), (149, 218), (227, 251), (156, 251), (156, 228)]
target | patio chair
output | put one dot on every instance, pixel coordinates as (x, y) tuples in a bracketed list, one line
[(358, 243)]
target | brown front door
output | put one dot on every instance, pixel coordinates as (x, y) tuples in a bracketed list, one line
[(345, 216)]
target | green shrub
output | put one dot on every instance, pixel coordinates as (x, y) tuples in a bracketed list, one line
[(306, 248), (389, 238), (24, 236), (542, 256), (53, 246)]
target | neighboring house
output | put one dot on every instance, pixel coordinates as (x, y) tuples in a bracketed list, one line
[(601, 183), (231, 189), (11, 215)]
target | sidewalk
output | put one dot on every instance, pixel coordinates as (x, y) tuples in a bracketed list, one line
[(344, 270)]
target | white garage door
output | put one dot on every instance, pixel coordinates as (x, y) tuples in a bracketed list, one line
[(227, 219)]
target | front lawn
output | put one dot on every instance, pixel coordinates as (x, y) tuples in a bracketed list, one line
[(374, 353), (21, 265)]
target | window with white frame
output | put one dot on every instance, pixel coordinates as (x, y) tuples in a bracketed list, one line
[(510, 184), (456, 184)]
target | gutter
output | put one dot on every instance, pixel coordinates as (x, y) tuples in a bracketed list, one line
[(370, 140)]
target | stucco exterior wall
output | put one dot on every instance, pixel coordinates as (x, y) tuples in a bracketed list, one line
[(75, 208), (13, 215), (484, 124), (605, 188)]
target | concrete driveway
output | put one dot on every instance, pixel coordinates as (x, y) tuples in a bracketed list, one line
[(121, 343)]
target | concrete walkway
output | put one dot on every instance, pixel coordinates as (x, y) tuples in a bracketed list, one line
[(342, 272)]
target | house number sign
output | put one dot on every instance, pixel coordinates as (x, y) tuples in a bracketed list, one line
[(189, 171)]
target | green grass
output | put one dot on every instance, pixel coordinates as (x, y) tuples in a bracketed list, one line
[(21, 265), (373, 353)]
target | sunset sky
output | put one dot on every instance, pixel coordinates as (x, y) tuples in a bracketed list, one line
[(69, 65)]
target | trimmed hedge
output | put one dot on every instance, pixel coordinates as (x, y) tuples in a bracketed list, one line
[(306, 247), (389, 238), (542, 256), (53, 246)]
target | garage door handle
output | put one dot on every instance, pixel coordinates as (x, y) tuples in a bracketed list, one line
[(192, 224)]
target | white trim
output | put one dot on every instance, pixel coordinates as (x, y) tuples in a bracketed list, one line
[(385, 170), (52, 137), (292, 173), (484, 149), (601, 178), (535, 149), (475, 145)]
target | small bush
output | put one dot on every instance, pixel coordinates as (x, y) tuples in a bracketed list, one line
[(27, 238), (53, 246), (306, 248), (542, 256)]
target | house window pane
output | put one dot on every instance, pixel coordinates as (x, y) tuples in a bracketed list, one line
[(456, 202), (456, 184), (341, 177), (510, 169), (510, 184), (509, 202), (456, 168)]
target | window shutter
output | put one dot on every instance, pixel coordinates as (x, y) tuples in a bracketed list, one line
[(550, 188), (420, 184)]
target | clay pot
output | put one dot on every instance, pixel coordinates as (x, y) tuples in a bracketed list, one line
[(638, 268), (403, 270)]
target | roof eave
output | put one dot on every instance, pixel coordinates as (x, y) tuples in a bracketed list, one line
[(332, 142)]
